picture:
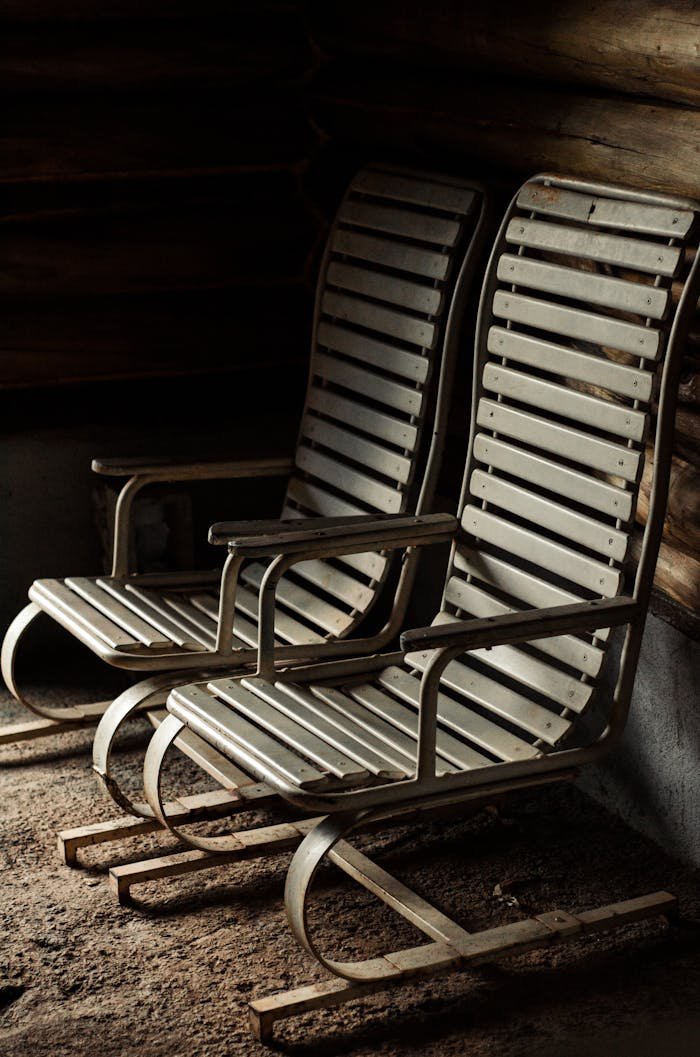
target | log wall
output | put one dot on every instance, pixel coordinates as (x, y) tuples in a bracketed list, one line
[(608, 91), (168, 169)]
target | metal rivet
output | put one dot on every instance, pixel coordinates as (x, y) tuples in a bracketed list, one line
[(610, 540), (675, 220)]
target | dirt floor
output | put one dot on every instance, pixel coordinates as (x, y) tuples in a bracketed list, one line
[(171, 975)]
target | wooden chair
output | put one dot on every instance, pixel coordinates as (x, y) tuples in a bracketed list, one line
[(584, 315), (390, 297)]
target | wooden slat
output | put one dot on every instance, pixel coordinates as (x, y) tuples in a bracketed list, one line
[(462, 720), (287, 629), (120, 614), (609, 249), (553, 476), (219, 725), (606, 212), (84, 614), (516, 583), (416, 296), (497, 699), (149, 603), (375, 317), (318, 501), (557, 359), (544, 513), (643, 299), (182, 607), (409, 365), (376, 423), (580, 407), (575, 323), (349, 480), (452, 199), (397, 255), (355, 739), (476, 602), (283, 727), (563, 561), (380, 728), (565, 441), (341, 733), (405, 718), (370, 563), (300, 600), (422, 227), (385, 460), (335, 582), (369, 383)]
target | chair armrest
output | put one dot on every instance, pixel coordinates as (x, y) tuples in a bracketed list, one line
[(522, 626), (256, 539), (166, 468)]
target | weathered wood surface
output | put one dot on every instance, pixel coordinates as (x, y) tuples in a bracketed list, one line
[(678, 576), (646, 48), (521, 127), (682, 525)]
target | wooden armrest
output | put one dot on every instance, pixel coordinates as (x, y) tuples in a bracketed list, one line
[(167, 468), (263, 538), (520, 627)]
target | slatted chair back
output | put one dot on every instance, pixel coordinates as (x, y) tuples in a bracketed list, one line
[(389, 302), (584, 288)]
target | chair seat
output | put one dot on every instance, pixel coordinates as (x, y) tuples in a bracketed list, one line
[(320, 737), (137, 618)]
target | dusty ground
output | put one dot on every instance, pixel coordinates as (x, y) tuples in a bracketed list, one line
[(171, 976)]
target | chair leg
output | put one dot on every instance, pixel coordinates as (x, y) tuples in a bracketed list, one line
[(50, 720), (451, 948)]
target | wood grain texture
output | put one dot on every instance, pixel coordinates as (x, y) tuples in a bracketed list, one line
[(523, 127), (645, 48)]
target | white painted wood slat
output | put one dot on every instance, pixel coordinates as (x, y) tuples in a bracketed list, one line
[(565, 441), (353, 482), (632, 382), (369, 383), (476, 602), (496, 698), (385, 460), (405, 718), (643, 299), (456, 717), (120, 614), (595, 535), (335, 582), (423, 227), (378, 424), (554, 476), (590, 410), (208, 715), (452, 199), (83, 613), (342, 735), (563, 561), (416, 296), (401, 256), (375, 317), (575, 323), (515, 583), (622, 251), (409, 365), (300, 600), (606, 212)]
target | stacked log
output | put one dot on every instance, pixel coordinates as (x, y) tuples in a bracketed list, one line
[(608, 91)]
